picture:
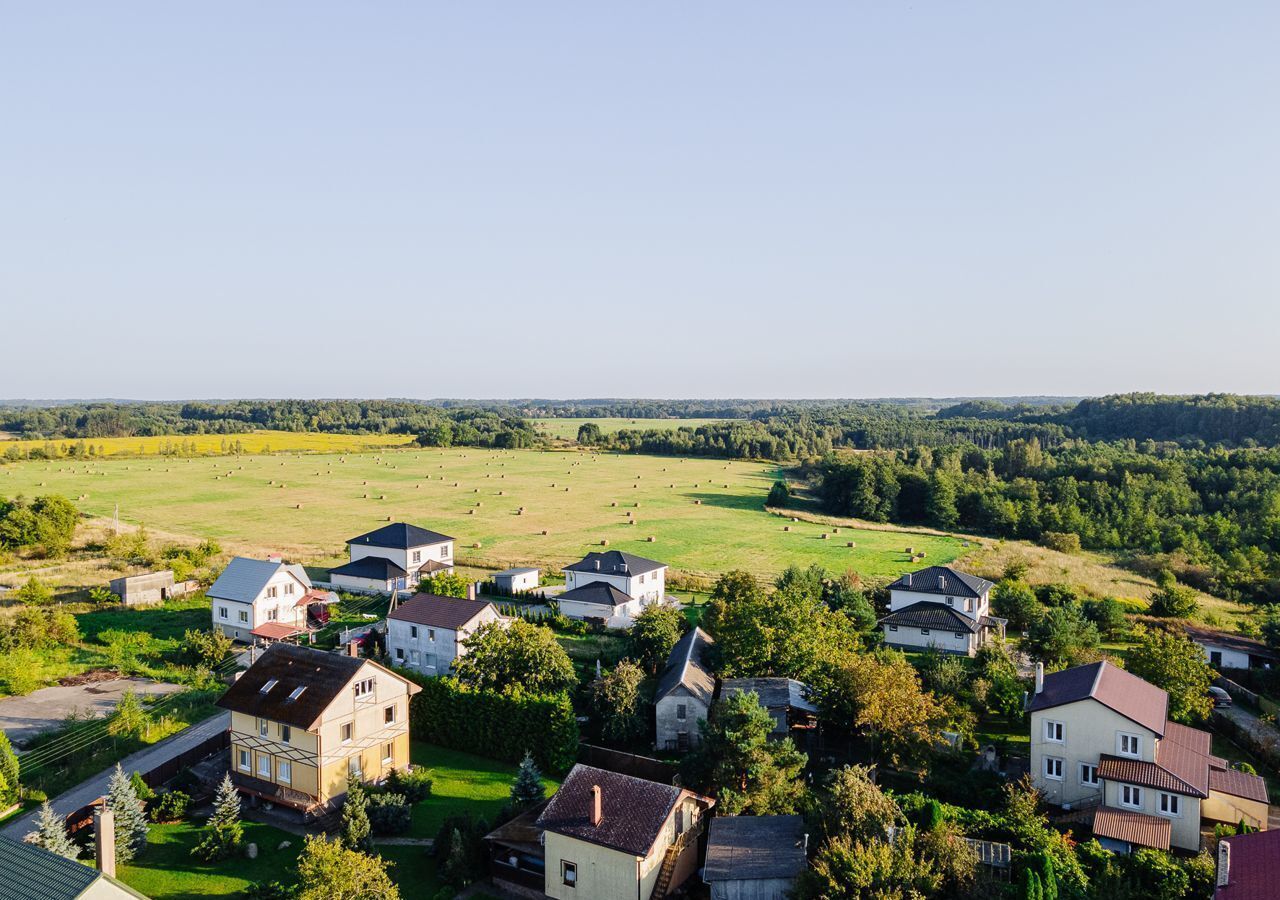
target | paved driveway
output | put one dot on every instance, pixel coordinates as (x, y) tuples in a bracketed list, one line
[(22, 718)]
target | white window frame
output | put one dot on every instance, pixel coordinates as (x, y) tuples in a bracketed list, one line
[(389, 710), (1130, 796), (244, 616), (354, 766), (348, 732), (1049, 767), (388, 752), (413, 632), (284, 771), (1085, 768), (245, 762), (417, 556), (263, 727), (399, 654), (1052, 726), (264, 766), (222, 613), (1168, 805), (924, 631), (893, 627), (285, 734), (1122, 738)]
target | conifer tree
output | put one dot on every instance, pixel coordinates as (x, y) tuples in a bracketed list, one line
[(356, 833), (130, 816), (225, 833), (9, 770), (51, 833), (527, 789)]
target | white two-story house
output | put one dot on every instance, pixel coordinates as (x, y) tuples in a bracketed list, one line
[(426, 632), (1101, 739), (613, 587), (257, 599), (394, 557), (941, 608)]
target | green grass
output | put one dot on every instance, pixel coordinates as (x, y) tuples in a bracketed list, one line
[(166, 870), (413, 870), (567, 429), (461, 783), (164, 623), (196, 498)]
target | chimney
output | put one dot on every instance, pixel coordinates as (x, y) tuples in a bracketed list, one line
[(597, 565), (353, 649), (104, 840), (1039, 677), (275, 558), (597, 815), (471, 591), (1224, 863), (906, 580), (942, 582)]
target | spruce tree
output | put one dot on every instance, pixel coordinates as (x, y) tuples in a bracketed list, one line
[(130, 815), (225, 833), (527, 789), (9, 770), (1048, 880), (356, 833), (51, 833), (932, 815)]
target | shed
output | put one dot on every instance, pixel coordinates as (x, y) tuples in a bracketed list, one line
[(150, 587), (754, 857), (517, 580)]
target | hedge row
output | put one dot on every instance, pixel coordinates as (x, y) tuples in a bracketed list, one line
[(493, 725)]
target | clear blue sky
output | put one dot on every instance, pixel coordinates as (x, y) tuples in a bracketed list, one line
[(645, 199)]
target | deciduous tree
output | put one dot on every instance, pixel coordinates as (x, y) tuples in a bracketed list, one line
[(615, 696), (653, 633), (881, 695), (1173, 663), (329, 871), (519, 655)]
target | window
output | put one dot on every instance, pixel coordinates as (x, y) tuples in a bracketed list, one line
[(297, 692), (273, 614), (1131, 795), (262, 727), (569, 873), (353, 766), (389, 716), (285, 733), (413, 657), (1055, 732), (244, 615), (222, 612), (388, 752), (399, 654), (272, 591), (681, 712), (924, 630), (266, 688), (1053, 768), (968, 605), (244, 760), (951, 601), (893, 627), (364, 688), (413, 632), (444, 552), (346, 733), (1169, 804), (1129, 744), (1088, 775), (417, 556), (431, 634), (288, 589), (264, 765), (959, 635)]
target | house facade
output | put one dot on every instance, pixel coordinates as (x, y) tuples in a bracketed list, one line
[(394, 557), (517, 580), (267, 600), (303, 719), (942, 609), (1101, 738), (426, 632), (686, 690), (612, 586), (1232, 651), (609, 836)]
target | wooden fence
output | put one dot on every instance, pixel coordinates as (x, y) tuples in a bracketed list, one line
[(628, 763)]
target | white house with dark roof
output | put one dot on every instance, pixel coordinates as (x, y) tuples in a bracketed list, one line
[(426, 632), (685, 692), (1101, 739), (393, 557), (612, 587), (940, 608), (257, 599)]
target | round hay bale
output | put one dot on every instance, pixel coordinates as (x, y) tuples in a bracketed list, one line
[(553, 484), (922, 554), (794, 519), (471, 512), (635, 486), (630, 514), (519, 512), (388, 518), (455, 484), (786, 527), (502, 493), (651, 539), (911, 550), (364, 496), (269, 482), (417, 487), (825, 536), (476, 545), (475, 490), (614, 503), (835, 530), (545, 532), (697, 502), (851, 544), (382, 496), (479, 503), (604, 543), (671, 485), (566, 490)]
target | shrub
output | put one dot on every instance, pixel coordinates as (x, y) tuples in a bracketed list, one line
[(779, 495), (170, 806), (1063, 542), (389, 814), (413, 784)]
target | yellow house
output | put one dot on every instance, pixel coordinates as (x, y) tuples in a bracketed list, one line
[(303, 719), (608, 836)]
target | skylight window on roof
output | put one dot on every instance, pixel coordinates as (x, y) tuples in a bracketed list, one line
[(297, 692), (269, 685)]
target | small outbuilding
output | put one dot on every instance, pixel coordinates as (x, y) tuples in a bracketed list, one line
[(754, 857), (1232, 651), (516, 581), (150, 587), (788, 701)]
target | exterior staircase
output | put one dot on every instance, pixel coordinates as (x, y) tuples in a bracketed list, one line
[(672, 857)]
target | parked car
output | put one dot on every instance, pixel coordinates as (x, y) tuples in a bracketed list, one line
[(1221, 699)]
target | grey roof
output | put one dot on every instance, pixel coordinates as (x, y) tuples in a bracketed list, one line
[(400, 536), (518, 570), (774, 693), (747, 848), (1208, 638), (29, 873), (598, 592), (934, 616), (243, 579), (376, 568), (943, 580), (687, 668), (1114, 688), (615, 562)]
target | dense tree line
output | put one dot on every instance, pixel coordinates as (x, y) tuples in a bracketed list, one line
[(1212, 516), (1226, 419)]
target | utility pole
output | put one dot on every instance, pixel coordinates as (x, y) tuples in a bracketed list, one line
[(117, 519)]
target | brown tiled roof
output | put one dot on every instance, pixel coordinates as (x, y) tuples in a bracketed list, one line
[(634, 810), (433, 565), (1255, 867), (438, 612), (1132, 827), (1239, 784), (1146, 774), (275, 631), (1113, 687), (324, 675)]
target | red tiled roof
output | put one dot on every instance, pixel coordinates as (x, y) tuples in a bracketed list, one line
[(1147, 774), (1239, 784), (275, 631), (1255, 867), (1114, 688), (1132, 827)]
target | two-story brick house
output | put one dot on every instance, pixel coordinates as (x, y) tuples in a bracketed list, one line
[(612, 587), (941, 608), (1101, 739), (303, 719)]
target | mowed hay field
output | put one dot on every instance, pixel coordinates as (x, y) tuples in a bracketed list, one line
[(307, 505), (250, 442), (567, 429)]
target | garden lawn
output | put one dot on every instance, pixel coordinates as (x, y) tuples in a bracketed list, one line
[(461, 783), (166, 870), (413, 869)]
